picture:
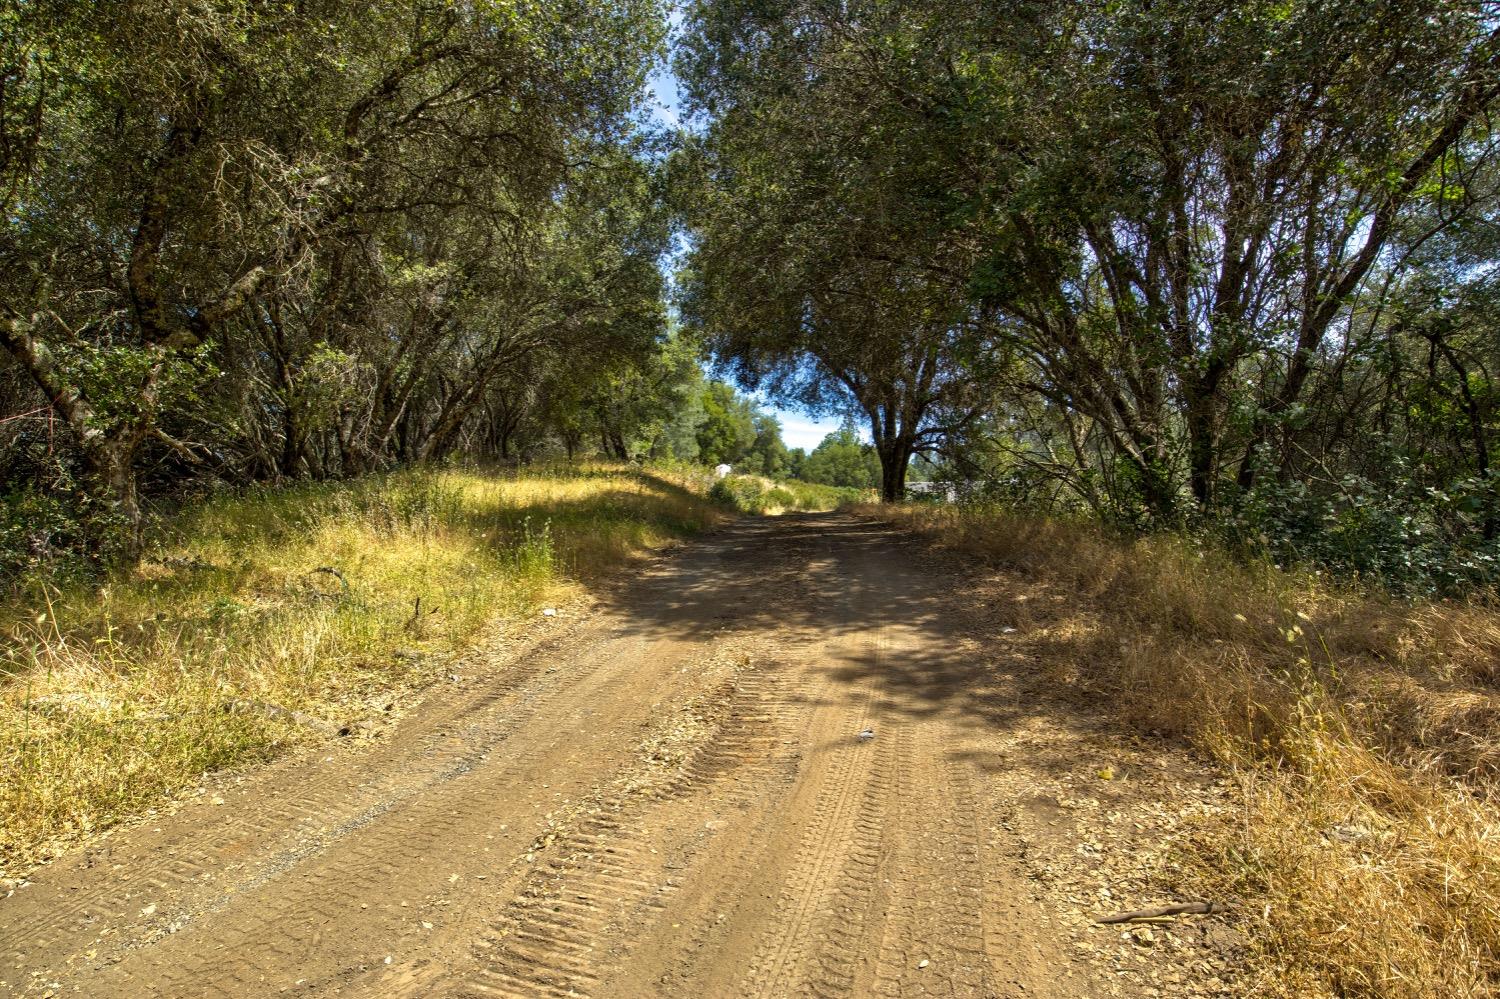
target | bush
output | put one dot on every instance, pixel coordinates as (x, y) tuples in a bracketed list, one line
[(1411, 539), (739, 492), (48, 536), (752, 494)]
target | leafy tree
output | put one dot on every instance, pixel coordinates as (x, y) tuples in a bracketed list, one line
[(813, 275), (679, 437), (768, 454), (843, 460), (728, 430), (1143, 242), (796, 464), (258, 240)]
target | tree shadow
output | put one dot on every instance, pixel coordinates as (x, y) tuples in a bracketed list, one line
[(886, 611)]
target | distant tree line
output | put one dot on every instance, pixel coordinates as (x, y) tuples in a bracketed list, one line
[(716, 424)]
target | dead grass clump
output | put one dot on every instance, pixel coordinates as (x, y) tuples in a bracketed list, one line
[(1455, 641), (1358, 879), (1365, 733)]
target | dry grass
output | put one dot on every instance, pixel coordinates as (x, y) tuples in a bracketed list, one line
[(1363, 732), (112, 698)]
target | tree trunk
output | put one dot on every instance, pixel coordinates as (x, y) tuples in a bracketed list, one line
[(1202, 453), (113, 465), (110, 460), (895, 456)]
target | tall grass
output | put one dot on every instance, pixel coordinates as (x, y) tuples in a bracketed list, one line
[(269, 618), (1364, 732)]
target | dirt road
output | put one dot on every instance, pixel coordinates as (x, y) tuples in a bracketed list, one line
[(663, 795)]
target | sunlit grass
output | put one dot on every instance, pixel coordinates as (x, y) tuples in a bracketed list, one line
[(320, 599), (760, 495)]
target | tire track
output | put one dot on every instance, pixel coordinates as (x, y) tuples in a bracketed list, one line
[(666, 798), (389, 851), (288, 825), (311, 798), (567, 928), (936, 905), (841, 844)]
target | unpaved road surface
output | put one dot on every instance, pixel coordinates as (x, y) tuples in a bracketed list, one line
[(664, 794)]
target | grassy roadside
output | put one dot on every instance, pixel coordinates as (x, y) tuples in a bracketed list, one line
[(232, 641), (1364, 734)]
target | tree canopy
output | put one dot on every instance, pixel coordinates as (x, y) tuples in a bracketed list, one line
[(1166, 261), (1169, 263), (261, 241)]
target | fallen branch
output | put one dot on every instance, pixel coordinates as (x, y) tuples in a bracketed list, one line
[(177, 445), (1181, 908), (277, 713), (330, 570)]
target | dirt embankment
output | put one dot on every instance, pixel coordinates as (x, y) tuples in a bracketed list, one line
[(669, 795)]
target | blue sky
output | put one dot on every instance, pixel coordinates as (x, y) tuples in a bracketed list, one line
[(797, 429), (803, 431), (664, 89)]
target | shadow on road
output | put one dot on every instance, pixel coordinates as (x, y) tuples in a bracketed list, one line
[(820, 578)]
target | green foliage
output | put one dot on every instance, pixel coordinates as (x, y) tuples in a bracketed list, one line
[(756, 495), (47, 536), (842, 460), (260, 242), (1134, 258), (36, 532), (736, 432), (768, 453), (729, 428), (1401, 537), (815, 275), (739, 492)]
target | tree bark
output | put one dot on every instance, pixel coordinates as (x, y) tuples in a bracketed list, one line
[(895, 457)]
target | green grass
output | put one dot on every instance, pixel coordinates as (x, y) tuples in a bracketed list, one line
[(116, 696), (758, 495)]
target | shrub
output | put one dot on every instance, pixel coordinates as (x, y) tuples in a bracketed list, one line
[(45, 536), (1410, 539), (755, 495), (740, 492)]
